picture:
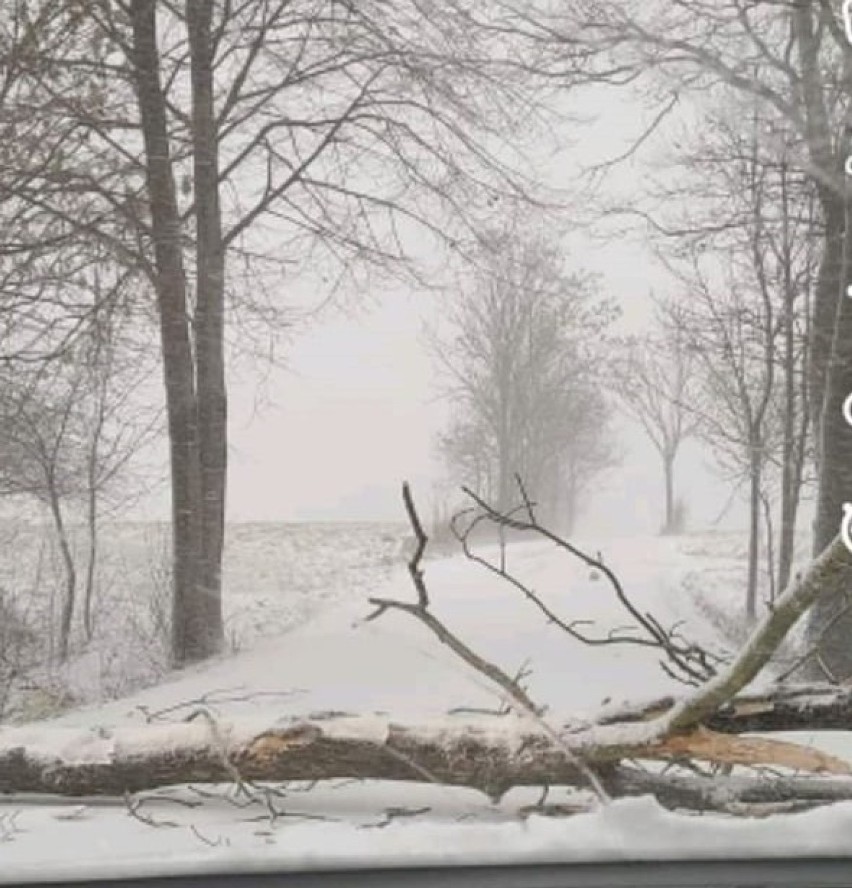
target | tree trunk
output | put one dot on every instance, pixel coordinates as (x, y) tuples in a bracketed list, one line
[(753, 532), (189, 611), (829, 378), (792, 447), (92, 466), (92, 559), (770, 546), (835, 476), (490, 753), (668, 473), (67, 611), (805, 24), (830, 371), (209, 319), (505, 484), (570, 493), (829, 281)]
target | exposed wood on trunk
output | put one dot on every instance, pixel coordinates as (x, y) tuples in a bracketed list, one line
[(724, 749)]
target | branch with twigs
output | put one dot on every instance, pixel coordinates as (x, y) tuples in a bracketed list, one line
[(685, 661), (421, 612)]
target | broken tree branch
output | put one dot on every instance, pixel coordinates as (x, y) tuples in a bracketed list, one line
[(688, 662), (832, 569), (414, 565)]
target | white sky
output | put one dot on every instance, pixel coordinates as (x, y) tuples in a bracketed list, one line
[(352, 416), (357, 413)]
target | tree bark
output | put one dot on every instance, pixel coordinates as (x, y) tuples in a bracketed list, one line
[(209, 320), (189, 611), (792, 448), (835, 442), (830, 372), (829, 281), (770, 547), (68, 599), (92, 529), (835, 482), (753, 531), (830, 363), (93, 464)]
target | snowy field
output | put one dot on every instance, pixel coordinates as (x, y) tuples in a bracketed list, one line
[(275, 576), (298, 605)]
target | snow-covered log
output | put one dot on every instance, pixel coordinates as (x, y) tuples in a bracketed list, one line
[(488, 753), (491, 754)]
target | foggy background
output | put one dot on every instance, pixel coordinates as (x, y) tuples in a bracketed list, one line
[(356, 406)]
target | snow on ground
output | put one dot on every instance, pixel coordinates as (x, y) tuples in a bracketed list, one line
[(336, 661), (275, 577)]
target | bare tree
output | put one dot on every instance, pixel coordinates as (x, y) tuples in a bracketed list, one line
[(733, 337), (70, 430), (742, 249), (589, 450), (653, 376), (519, 362)]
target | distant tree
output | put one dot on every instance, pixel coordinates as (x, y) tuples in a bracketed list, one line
[(587, 450), (734, 343), (652, 376), (521, 365), (467, 449), (42, 447)]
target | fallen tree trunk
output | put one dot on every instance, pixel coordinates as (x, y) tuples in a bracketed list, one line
[(490, 754), (809, 708)]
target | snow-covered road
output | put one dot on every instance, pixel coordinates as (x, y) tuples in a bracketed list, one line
[(339, 661)]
